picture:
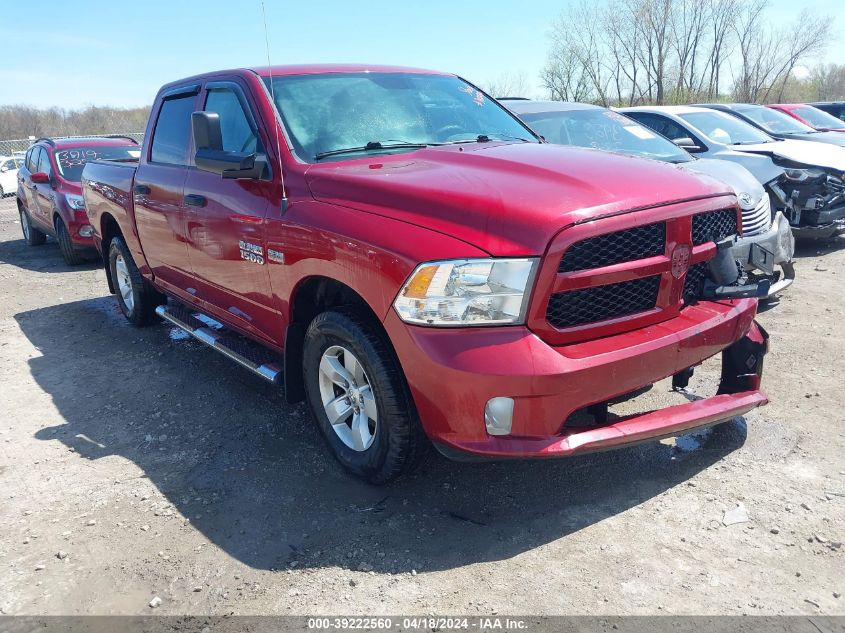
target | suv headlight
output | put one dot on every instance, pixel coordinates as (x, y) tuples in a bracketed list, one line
[(467, 292), (800, 175), (77, 203)]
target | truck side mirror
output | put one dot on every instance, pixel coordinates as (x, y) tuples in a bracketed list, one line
[(210, 155), (207, 134)]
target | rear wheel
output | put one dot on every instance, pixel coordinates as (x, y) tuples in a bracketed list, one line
[(71, 256), (135, 295), (33, 236), (359, 398)]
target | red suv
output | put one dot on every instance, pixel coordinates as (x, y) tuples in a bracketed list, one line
[(49, 194)]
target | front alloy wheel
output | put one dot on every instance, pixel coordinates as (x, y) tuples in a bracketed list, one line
[(357, 393), (348, 398)]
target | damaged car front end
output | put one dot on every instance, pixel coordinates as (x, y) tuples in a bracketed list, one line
[(812, 199)]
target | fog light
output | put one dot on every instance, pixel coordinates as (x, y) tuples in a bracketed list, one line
[(86, 230), (498, 416)]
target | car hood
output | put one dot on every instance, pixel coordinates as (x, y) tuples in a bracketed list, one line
[(805, 152), (819, 137), (507, 199), (738, 177)]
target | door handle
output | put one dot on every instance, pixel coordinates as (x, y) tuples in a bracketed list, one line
[(142, 190), (195, 200)]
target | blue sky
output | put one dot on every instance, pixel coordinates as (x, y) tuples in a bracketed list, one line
[(71, 53)]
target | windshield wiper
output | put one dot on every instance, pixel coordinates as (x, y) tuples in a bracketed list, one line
[(369, 147), (486, 138)]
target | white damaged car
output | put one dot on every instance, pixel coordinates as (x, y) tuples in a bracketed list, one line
[(765, 244), (805, 180)]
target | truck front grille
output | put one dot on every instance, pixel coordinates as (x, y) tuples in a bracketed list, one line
[(713, 226), (694, 283), (578, 307), (639, 242)]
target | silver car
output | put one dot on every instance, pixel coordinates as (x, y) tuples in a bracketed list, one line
[(586, 125)]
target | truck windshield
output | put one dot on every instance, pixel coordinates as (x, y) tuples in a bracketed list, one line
[(71, 162), (349, 115), (724, 128), (604, 129), (776, 122)]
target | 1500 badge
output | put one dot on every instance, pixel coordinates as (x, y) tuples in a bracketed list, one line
[(251, 252)]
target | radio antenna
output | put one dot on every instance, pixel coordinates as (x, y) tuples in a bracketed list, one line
[(276, 122)]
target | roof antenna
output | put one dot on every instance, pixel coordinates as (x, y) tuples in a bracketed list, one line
[(277, 122)]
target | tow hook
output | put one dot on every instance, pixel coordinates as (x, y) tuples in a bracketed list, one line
[(724, 271)]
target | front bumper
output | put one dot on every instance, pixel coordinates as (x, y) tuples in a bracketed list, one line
[(453, 373), (779, 241)]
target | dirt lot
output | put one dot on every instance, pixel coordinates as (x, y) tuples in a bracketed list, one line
[(136, 464)]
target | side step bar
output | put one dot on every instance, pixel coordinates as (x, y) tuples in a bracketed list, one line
[(244, 352)]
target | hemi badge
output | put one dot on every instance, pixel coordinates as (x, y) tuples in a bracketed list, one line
[(275, 256)]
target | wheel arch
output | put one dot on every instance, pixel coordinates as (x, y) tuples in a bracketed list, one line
[(311, 296)]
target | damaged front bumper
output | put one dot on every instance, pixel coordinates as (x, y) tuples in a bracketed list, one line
[(829, 223), (765, 252)]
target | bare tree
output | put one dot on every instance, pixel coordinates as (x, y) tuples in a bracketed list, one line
[(768, 55), (508, 85), (828, 82), (19, 121), (676, 51)]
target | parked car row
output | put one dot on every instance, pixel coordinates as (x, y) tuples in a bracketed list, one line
[(419, 264)]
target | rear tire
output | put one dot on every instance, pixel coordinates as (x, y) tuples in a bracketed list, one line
[(31, 235), (71, 256), (392, 441), (135, 295)]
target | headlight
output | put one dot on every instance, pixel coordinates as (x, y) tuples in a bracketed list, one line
[(800, 175), (75, 202), (467, 292)]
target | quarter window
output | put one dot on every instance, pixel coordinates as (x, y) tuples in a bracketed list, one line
[(172, 131)]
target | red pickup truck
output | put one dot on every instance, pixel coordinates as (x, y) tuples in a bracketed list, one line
[(398, 249)]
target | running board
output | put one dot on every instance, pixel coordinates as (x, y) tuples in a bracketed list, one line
[(259, 360)]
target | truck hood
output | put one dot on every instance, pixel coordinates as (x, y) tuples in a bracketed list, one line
[(507, 199), (738, 177), (804, 152)]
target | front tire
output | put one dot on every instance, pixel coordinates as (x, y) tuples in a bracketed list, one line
[(31, 235), (135, 295), (359, 398), (71, 256)]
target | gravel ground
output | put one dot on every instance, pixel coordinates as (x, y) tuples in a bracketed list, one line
[(136, 465)]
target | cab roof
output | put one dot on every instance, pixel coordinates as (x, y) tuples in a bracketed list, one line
[(316, 69)]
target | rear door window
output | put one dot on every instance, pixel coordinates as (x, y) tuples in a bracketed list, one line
[(172, 131)]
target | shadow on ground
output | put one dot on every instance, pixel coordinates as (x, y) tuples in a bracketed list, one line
[(253, 476), (816, 248), (43, 259)]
